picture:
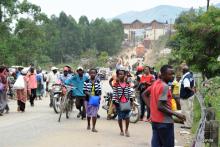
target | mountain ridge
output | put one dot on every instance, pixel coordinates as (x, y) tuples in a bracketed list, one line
[(161, 13)]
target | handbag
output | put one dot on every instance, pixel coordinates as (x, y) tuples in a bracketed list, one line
[(125, 106), (94, 100), (19, 84)]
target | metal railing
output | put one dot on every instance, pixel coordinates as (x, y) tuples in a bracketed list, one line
[(199, 138)]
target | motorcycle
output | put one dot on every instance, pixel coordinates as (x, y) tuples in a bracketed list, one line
[(108, 106), (58, 91), (111, 110), (135, 110)]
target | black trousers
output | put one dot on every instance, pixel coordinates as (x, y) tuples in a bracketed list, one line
[(143, 109), (80, 105), (21, 105), (33, 96)]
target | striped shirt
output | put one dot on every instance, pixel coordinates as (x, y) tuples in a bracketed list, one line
[(88, 87), (118, 91)]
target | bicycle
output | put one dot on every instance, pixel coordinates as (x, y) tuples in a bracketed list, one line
[(66, 104)]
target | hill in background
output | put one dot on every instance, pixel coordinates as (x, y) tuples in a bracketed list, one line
[(160, 13)]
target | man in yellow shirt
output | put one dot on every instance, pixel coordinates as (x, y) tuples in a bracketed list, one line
[(176, 91)]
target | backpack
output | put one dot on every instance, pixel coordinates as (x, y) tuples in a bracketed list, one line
[(185, 93)]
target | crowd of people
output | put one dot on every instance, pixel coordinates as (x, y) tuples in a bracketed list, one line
[(161, 95)]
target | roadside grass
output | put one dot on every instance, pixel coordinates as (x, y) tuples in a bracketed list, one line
[(196, 115), (211, 92)]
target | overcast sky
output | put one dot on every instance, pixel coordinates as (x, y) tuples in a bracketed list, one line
[(109, 8)]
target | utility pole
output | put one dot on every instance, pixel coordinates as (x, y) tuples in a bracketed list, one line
[(1, 15), (208, 1)]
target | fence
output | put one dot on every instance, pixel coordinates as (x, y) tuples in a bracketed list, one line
[(208, 129)]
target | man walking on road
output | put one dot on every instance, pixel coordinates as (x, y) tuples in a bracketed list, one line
[(53, 78), (78, 82), (32, 85), (158, 98), (187, 90)]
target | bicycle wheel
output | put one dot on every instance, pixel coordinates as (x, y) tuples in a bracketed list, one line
[(69, 108), (62, 107)]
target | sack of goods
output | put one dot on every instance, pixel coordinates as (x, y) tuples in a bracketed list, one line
[(94, 100), (19, 84)]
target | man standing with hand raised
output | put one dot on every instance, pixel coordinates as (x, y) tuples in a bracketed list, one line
[(158, 98)]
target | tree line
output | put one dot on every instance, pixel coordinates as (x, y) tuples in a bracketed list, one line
[(29, 36), (197, 41)]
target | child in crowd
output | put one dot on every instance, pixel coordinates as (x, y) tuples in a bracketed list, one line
[(92, 90)]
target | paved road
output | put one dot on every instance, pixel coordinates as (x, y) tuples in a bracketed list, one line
[(38, 127)]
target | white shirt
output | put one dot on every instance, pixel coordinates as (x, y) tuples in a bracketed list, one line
[(186, 81), (52, 79)]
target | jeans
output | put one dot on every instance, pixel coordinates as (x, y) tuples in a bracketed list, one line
[(163, 135)]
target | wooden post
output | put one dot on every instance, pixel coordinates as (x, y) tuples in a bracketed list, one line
[(208, 1), (214, 133), (210, 113)]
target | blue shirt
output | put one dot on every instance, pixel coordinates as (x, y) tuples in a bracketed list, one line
[(64, 78), (78, 83)]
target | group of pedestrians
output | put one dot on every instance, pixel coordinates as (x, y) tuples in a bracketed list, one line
[(156, 94), (20, 83)]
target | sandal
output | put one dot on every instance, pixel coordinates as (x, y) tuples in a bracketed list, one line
[(127, 134)]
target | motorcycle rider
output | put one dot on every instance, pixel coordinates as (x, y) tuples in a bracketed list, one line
[(63, 77), (78, 81), (53, 78)]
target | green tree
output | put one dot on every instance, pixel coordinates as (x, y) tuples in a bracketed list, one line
[(197, 40)]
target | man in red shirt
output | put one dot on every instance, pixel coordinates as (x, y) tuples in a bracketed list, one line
[(158, 98)]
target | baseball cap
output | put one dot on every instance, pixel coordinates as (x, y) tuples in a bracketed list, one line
[(54, 68), (79, 68)]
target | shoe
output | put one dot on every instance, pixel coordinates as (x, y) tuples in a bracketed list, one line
[(51, 105), (88, 128), (32, 105), (1, 114), (98, 116), (78, 115), (7, 110), (18, 109)]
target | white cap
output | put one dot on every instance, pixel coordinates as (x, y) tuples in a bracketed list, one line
[(54, 68), (24, 71), (80, 67)]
